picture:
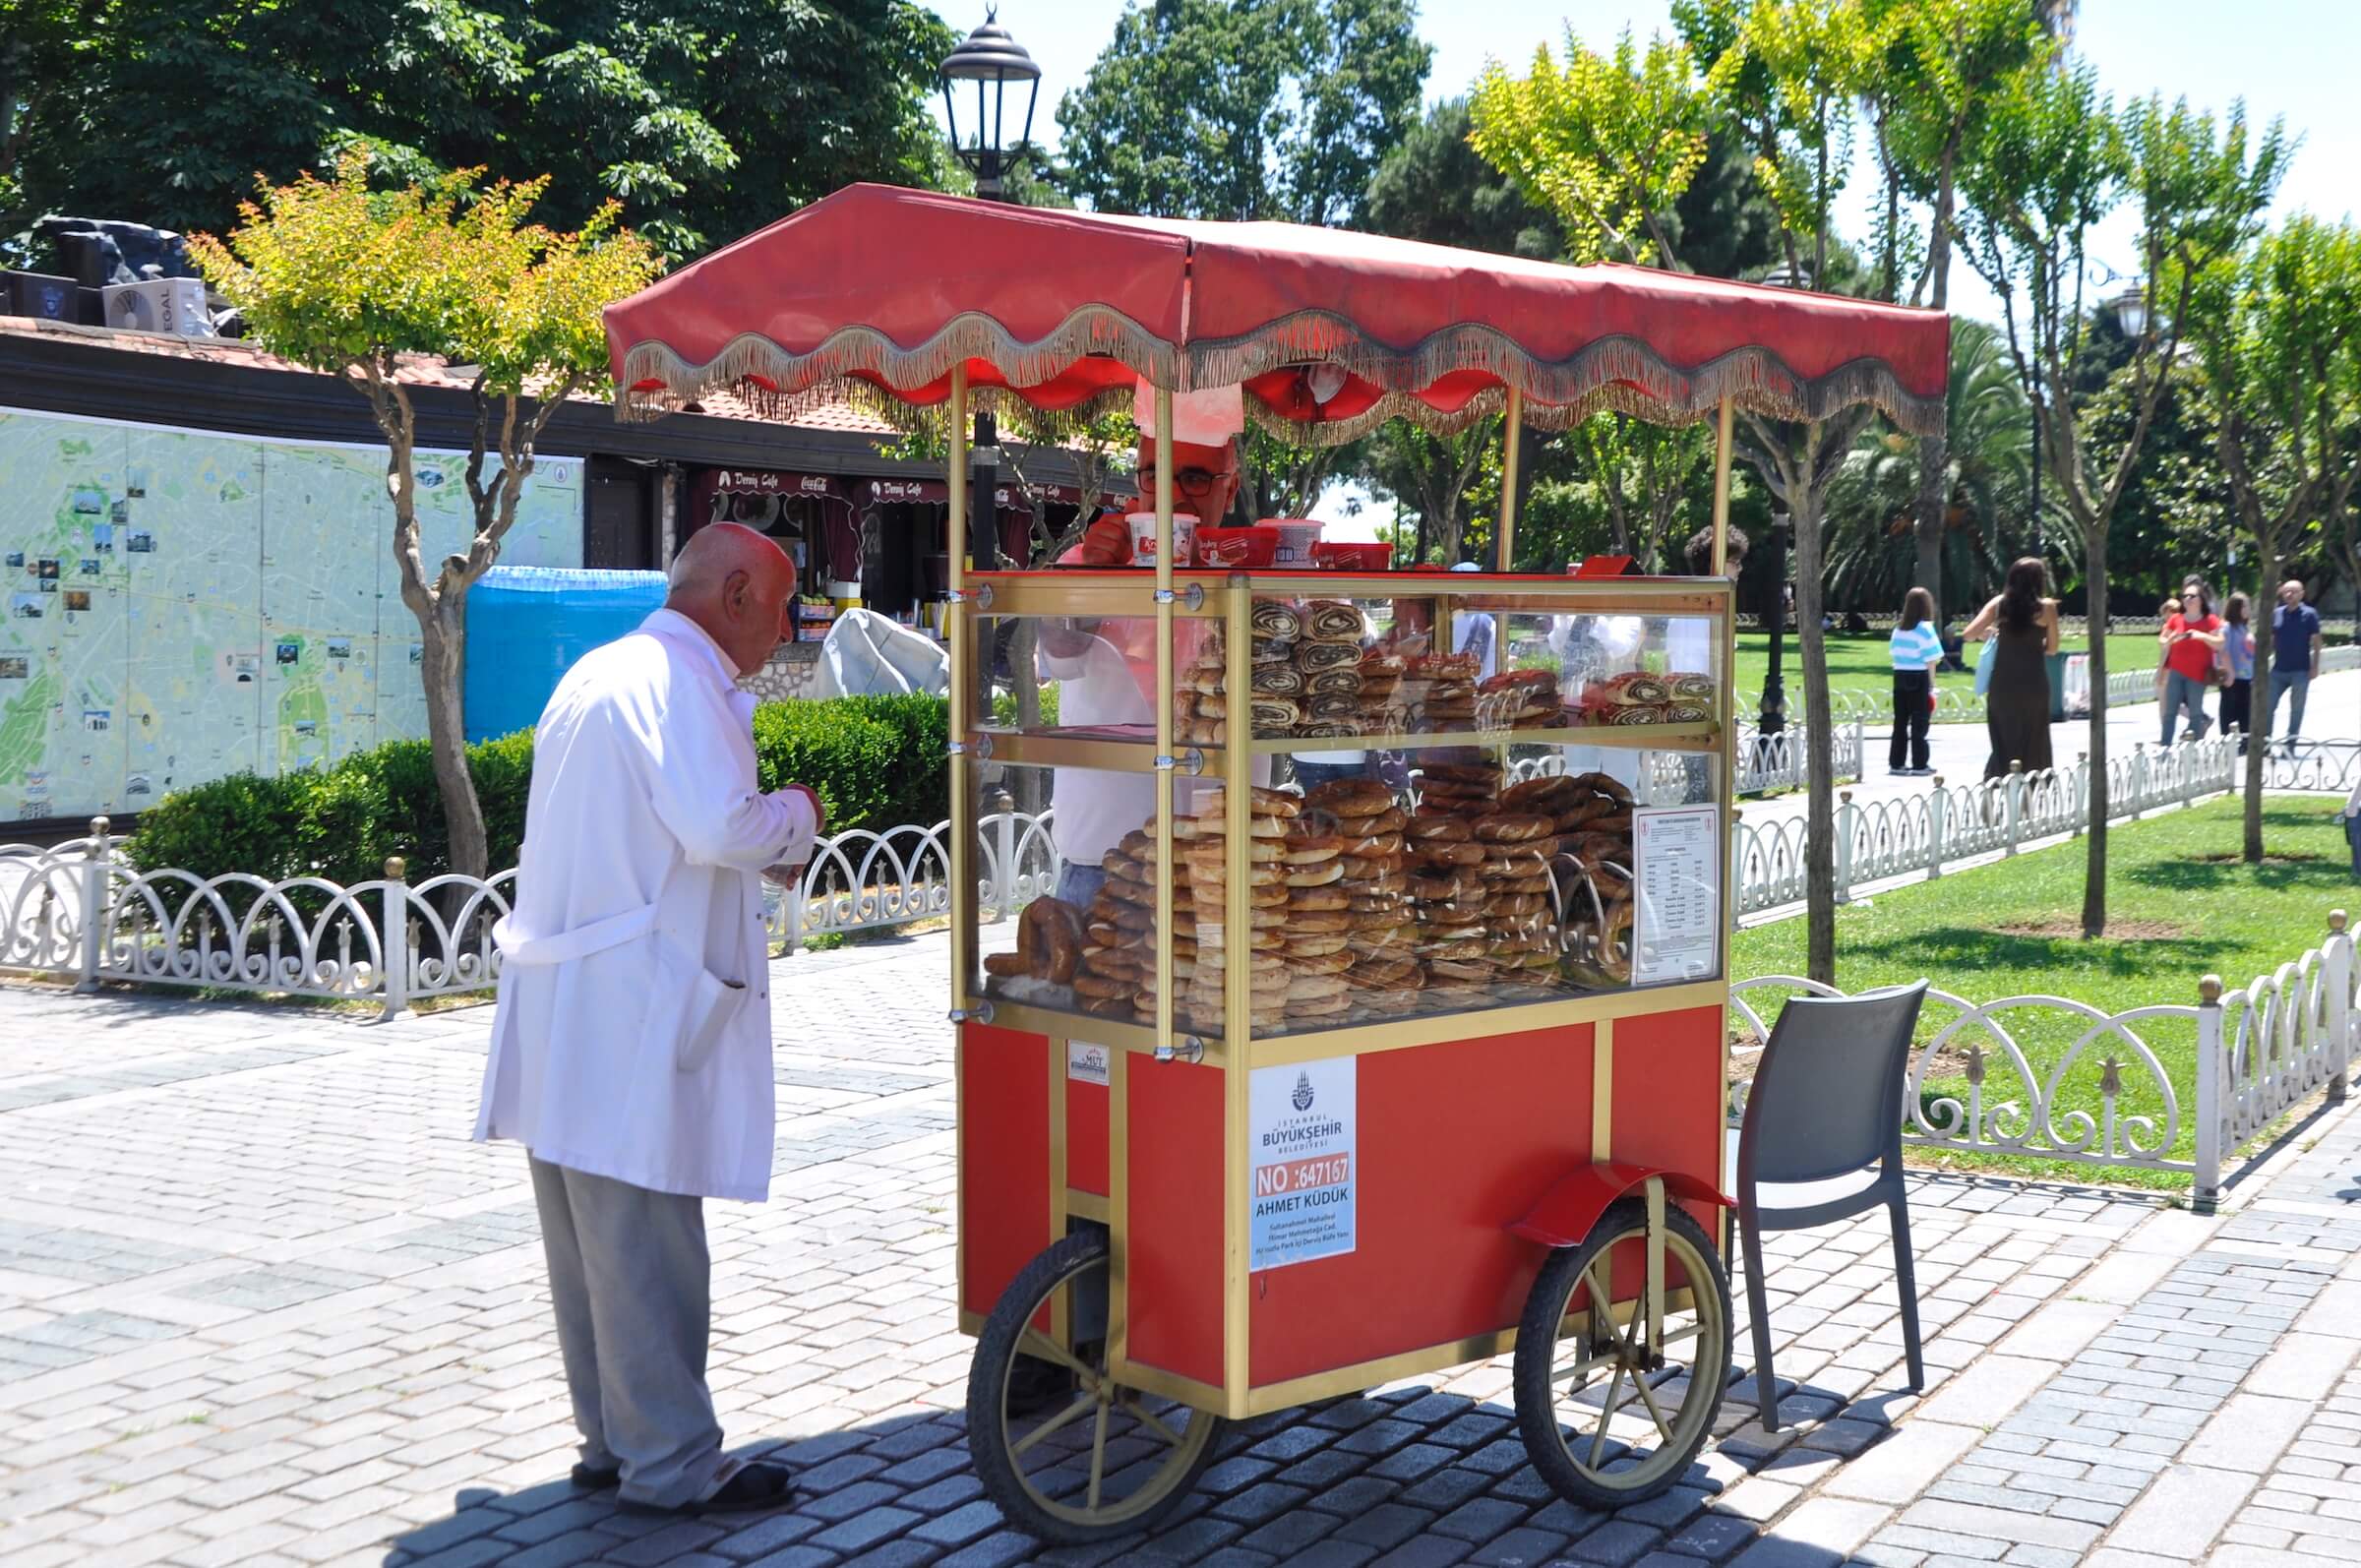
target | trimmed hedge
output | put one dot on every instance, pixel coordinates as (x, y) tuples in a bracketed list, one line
[(875, 762)]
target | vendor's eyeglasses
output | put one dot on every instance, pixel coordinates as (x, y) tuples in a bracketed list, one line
[(1187, 482)]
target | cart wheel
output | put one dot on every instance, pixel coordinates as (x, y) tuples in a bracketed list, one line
[(1094, 1458), (1606, 1421)]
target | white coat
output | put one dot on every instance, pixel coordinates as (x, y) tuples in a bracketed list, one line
[(632, 1033)]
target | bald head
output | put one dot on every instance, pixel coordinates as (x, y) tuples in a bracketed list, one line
[(735, 584)]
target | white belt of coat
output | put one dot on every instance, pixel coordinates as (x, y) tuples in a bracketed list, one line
[(565, 946), (711, 1004)]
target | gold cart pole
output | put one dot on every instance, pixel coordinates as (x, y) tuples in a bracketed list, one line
[(1512, 445), (1726, 711), (956, 628), (1237, 993), (1721, 491), (1164, 716)]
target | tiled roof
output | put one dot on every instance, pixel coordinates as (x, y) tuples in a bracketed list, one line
[(412, 370)]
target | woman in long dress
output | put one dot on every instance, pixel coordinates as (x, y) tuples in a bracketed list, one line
[(2025, 624)]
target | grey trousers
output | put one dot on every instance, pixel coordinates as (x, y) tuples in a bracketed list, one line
[(632, 1282)]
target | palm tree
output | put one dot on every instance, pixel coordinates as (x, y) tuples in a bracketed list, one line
[(1986, 479)]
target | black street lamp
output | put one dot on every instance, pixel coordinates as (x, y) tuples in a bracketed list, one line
[(991, 59), (1773, 716)]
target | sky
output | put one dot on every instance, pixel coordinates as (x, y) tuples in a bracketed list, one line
[(2290, 58)]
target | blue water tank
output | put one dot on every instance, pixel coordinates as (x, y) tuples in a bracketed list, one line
[(527, 625)]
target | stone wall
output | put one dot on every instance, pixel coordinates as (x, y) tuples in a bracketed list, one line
[(793, 672)]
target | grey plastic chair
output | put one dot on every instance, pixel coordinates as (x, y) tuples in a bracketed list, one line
[(1827, 1103)]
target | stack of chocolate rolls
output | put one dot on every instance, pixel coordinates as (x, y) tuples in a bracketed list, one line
[(1327, 654)]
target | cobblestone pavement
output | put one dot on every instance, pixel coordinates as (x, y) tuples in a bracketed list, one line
[(261, 1302)]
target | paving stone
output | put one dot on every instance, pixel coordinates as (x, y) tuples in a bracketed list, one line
[(1447, 1488), (1519, 1548), (1481, 1520), (866, 1529), (960, 1525), (1261, 1503), (1425, 1551), (993, 1552), (1614, 1543), (765, 1536), (1386, 1526), (1291, 1532)]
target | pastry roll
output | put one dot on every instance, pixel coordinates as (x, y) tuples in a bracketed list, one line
[(1333, 621), (1272, 619)]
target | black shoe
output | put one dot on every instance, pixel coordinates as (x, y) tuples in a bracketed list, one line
[(754, 1487), (595, 1477)]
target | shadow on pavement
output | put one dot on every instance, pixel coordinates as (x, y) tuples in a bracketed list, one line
[(1408, 1477)]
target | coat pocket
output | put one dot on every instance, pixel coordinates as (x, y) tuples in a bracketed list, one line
[(713, 1004)]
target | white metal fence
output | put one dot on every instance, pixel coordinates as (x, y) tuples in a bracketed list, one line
[(82, 910), (1921, 834), (1766, 763), (2051, 1078)]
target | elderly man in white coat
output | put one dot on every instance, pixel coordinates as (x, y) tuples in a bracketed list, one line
[(630, 1050)]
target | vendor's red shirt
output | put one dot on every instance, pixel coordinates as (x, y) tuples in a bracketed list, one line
[(2192, 658)]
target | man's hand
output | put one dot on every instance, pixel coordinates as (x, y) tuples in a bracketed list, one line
[(783, 875)]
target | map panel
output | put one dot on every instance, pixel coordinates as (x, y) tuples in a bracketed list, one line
[(185, 604), (63, 641), (193, 556)]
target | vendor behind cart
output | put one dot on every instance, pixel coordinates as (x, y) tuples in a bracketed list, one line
[(1106, 670)]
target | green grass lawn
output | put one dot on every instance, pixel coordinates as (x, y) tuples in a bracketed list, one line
[(1859, 664), (2187, 906)]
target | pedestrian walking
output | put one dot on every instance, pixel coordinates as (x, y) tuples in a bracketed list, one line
[(631, 1046), (2164, 612), (2191, 642), (2294, 657), (2023, 624), (2238, 652), (1916, 649)]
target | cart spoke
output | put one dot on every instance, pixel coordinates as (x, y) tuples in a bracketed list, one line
[(1139, 1413), (1584, 1369), (1656, 1412), (1042, 1347), (1677, 1336), (1098, 1458), (1023, 1446), (1606, 1414)]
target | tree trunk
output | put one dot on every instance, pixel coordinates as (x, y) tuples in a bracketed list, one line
[(1933, 516), (2094, 860), (1819, 834), (443, 656), (2267, 565)]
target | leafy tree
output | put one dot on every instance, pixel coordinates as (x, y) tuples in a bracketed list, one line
[(1942, 64), (1874, 552), (1432, 475), (2056, 160), (1244, 108), (335, 277), (704, 118), (1436, 187), (2280, 333)]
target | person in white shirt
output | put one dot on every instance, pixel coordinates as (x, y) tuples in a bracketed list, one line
[(630, 1047), (1092, 808), (1472, 633)]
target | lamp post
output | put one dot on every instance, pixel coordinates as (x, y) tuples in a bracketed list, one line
[(990, 59), (1773, 716)]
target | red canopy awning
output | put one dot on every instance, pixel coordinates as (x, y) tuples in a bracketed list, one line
[(888, 290)]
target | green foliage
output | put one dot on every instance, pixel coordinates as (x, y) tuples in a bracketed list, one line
[(1607, 144), (1436, 187), (1987, 473), (704, 118), (875, 762), (1244, 108), (331, 273)]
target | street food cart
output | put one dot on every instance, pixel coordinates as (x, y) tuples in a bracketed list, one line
[(1322, 1088)]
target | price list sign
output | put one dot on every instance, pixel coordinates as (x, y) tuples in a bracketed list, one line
[(1676, 863)]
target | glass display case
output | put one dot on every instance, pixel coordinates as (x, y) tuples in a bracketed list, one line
[(1441, 795)]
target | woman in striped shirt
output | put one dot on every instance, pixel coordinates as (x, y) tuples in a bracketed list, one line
[(1915, 648)]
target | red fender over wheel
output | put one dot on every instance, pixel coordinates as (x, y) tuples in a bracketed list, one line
[(1575, 1201)]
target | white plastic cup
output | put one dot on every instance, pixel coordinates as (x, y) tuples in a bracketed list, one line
[(1296, 536), (1143, 539)]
